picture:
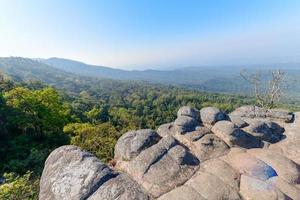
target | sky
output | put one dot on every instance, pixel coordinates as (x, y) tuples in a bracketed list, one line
[(156, 34)]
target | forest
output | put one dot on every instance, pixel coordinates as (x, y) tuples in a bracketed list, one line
[(39, 115)]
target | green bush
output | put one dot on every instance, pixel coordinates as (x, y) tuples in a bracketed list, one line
[(19, 187)]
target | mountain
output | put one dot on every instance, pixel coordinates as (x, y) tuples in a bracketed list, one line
[(184, 76), (224, 79)]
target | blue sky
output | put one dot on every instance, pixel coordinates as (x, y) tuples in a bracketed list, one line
[(139, 34)]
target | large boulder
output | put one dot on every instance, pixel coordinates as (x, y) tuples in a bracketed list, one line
[(208, 147), (162, 167), (133, 142), (182, 193), (121, 187), (210, 115), (202, 143), (284, 167), (265, 130), (289, 189), (185, 124), (212, 187), (247, 164), (223, 171), (71, 173), (166, 129), (234, 136), (256, 189), (238, 121), (188, 111), (258, 112)]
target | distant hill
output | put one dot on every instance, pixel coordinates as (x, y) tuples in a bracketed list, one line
[(224, 79)]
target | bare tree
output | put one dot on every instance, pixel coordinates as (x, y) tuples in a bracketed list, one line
[(267, 93)]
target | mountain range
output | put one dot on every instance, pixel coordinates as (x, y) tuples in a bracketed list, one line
[(225, 79)]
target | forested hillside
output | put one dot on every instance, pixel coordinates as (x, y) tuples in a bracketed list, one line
[(43, 108), (225, 79)]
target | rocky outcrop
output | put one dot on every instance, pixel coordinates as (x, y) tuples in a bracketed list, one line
[(251, 153), (258, 112), (71, 173)]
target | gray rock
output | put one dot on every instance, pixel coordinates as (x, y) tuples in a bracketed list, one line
[(252, 188), (186, 124), (289, 189), (133, 142), (265, 130), (122, 188), (182, 193), (209, 146), (233, 136), (247, 164), (210, 115), (166, 129), (257, 112), (70, 173), (188, 111), (238, 121), (197, 134), (211, 187), (284, 167), (223, 171), (163, 166)]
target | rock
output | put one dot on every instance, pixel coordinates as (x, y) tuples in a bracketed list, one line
[(287, 188), (237, 120), (122, 188), (190, 112), (256, 189), (166, 129), (265, 130), (257, 112), (186, 124), (182, 193), (71, 173), (211, 187), (187, 160), (132, 143), (203, 144), (233, 136), (247, 164), (197, 134), (223, 171), (210, 115), (209, 146), (284, 167), (280, 114), (163, 166)]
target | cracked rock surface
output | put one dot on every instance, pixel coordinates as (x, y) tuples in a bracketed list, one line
[(251, 153)]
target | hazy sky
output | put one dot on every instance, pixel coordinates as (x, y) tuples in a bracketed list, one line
[(152, 33)]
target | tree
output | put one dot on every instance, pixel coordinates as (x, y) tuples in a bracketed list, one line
[(37, 111), (267, 93), (97, 139)]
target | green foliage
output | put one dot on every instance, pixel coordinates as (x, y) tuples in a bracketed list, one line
[(97, 139), (19, 187), (37, 111)]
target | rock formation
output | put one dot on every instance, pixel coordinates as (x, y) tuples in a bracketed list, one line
[(252, 153)]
